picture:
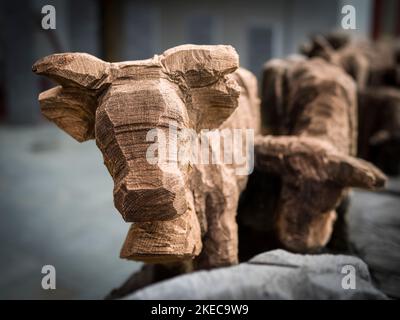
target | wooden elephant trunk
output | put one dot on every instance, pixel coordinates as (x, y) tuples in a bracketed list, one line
[(138, 112)]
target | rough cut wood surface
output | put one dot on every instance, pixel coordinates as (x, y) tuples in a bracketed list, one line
[(179, 211), (312, 107)]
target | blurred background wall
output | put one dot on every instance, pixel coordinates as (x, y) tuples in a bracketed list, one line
[(128, 30), (56, 204)]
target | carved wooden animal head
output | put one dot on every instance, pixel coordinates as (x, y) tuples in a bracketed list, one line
[(118, 103), (315, 177), (312, 108)]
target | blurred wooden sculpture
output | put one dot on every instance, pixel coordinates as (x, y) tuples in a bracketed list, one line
[(369, 63), (375, 66), (311, 112)]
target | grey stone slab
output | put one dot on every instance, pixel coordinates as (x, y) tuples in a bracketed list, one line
[(276, 274), (56, 207), (374, 222)]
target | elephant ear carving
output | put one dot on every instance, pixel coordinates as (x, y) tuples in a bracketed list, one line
[(72, 105), (204, 75)]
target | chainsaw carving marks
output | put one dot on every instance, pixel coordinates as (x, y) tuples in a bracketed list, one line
[(179, 210)]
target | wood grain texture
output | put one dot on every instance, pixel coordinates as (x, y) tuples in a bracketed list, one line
[(180, 210), (314, 110)]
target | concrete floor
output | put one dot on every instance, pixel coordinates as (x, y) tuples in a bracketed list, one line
[(56, 208)]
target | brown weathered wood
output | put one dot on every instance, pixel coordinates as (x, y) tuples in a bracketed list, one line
[(378, 80), (349, 57), (179, 211), (311, 98), (313, 159), (72, 105), (379, 127), (369, 63), (313, 107), (70, 110)]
